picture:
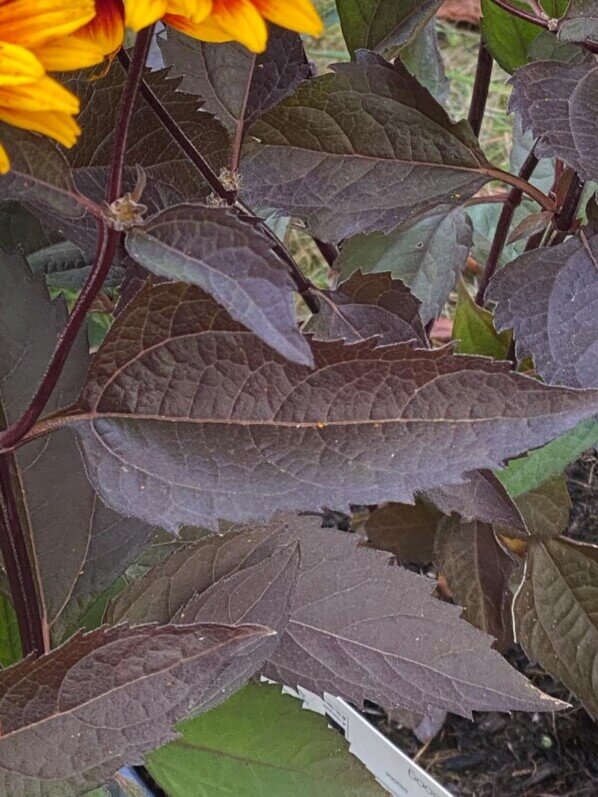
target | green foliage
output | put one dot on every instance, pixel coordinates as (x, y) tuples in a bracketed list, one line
[(10, 643), (283, 750), (509, 38)]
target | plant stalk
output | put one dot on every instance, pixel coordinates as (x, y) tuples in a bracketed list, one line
[(17, 562), (108, 241), (304, 286), (481, 87), (563, 220), (542, 20), (503, 226)]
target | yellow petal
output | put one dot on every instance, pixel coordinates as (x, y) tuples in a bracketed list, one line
[(298, 15), (32, 23), (107, 30), (59, 126), (193, 10), (68, 54), (230, 20), (141, 13), (4, 162), (18, 65), (44, 95)]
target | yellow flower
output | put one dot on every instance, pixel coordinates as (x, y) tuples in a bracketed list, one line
[(226, 20), (35, 36)]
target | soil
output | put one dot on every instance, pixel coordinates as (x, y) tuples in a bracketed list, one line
[(521, 755)]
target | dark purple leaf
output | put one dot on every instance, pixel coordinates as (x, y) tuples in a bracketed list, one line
[(150, 145), (237, 432), (406, 530), (39, 174), (555, 613), (580, 23), (427, 253), (368, 305), (549, 297), (72, 718), (237, 85), (364, 630), (79, 545), (226, 255), (478, 571), (191, 570), (557, 102), (340, 153), (357, 627), (481, 497)]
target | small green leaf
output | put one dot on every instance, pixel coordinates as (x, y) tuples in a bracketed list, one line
[(474, 329), (525, 473), (260, 742), (10, 642), (509, 38)]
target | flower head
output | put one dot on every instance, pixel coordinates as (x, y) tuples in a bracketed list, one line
[(37, 36), (226, 20)]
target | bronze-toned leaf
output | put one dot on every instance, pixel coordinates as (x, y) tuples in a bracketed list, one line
[(340, 153), (236, 432), (477, 570), (365, 306), (226, 255), (555, 613), (74, 717)]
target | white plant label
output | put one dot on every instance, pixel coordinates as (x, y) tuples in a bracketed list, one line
[(392, 768)]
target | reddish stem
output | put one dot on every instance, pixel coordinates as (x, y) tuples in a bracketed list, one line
[(481, 87), (503, 226), (16, 559)]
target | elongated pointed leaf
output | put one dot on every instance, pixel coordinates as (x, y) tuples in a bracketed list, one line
[(427, 253), (237, 86), (375, 25), (80, 546), (482, 497), (357, 626), (340, 152), (237, 432), (478, 572), (365, 630), (287, 751), (150, 145), (74, 717), (229, 258), (368, 305), (549, 298), (556, 101), (191, 570), (555, 613), (39, 174)]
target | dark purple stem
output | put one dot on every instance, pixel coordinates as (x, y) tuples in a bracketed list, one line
[(564, 219), (481, 88), (503, 226), (304, 286), (16, 559), (13, 543), (180, 138), (108, 241)]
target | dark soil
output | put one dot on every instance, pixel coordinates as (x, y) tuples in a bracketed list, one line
[(522, 755)]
